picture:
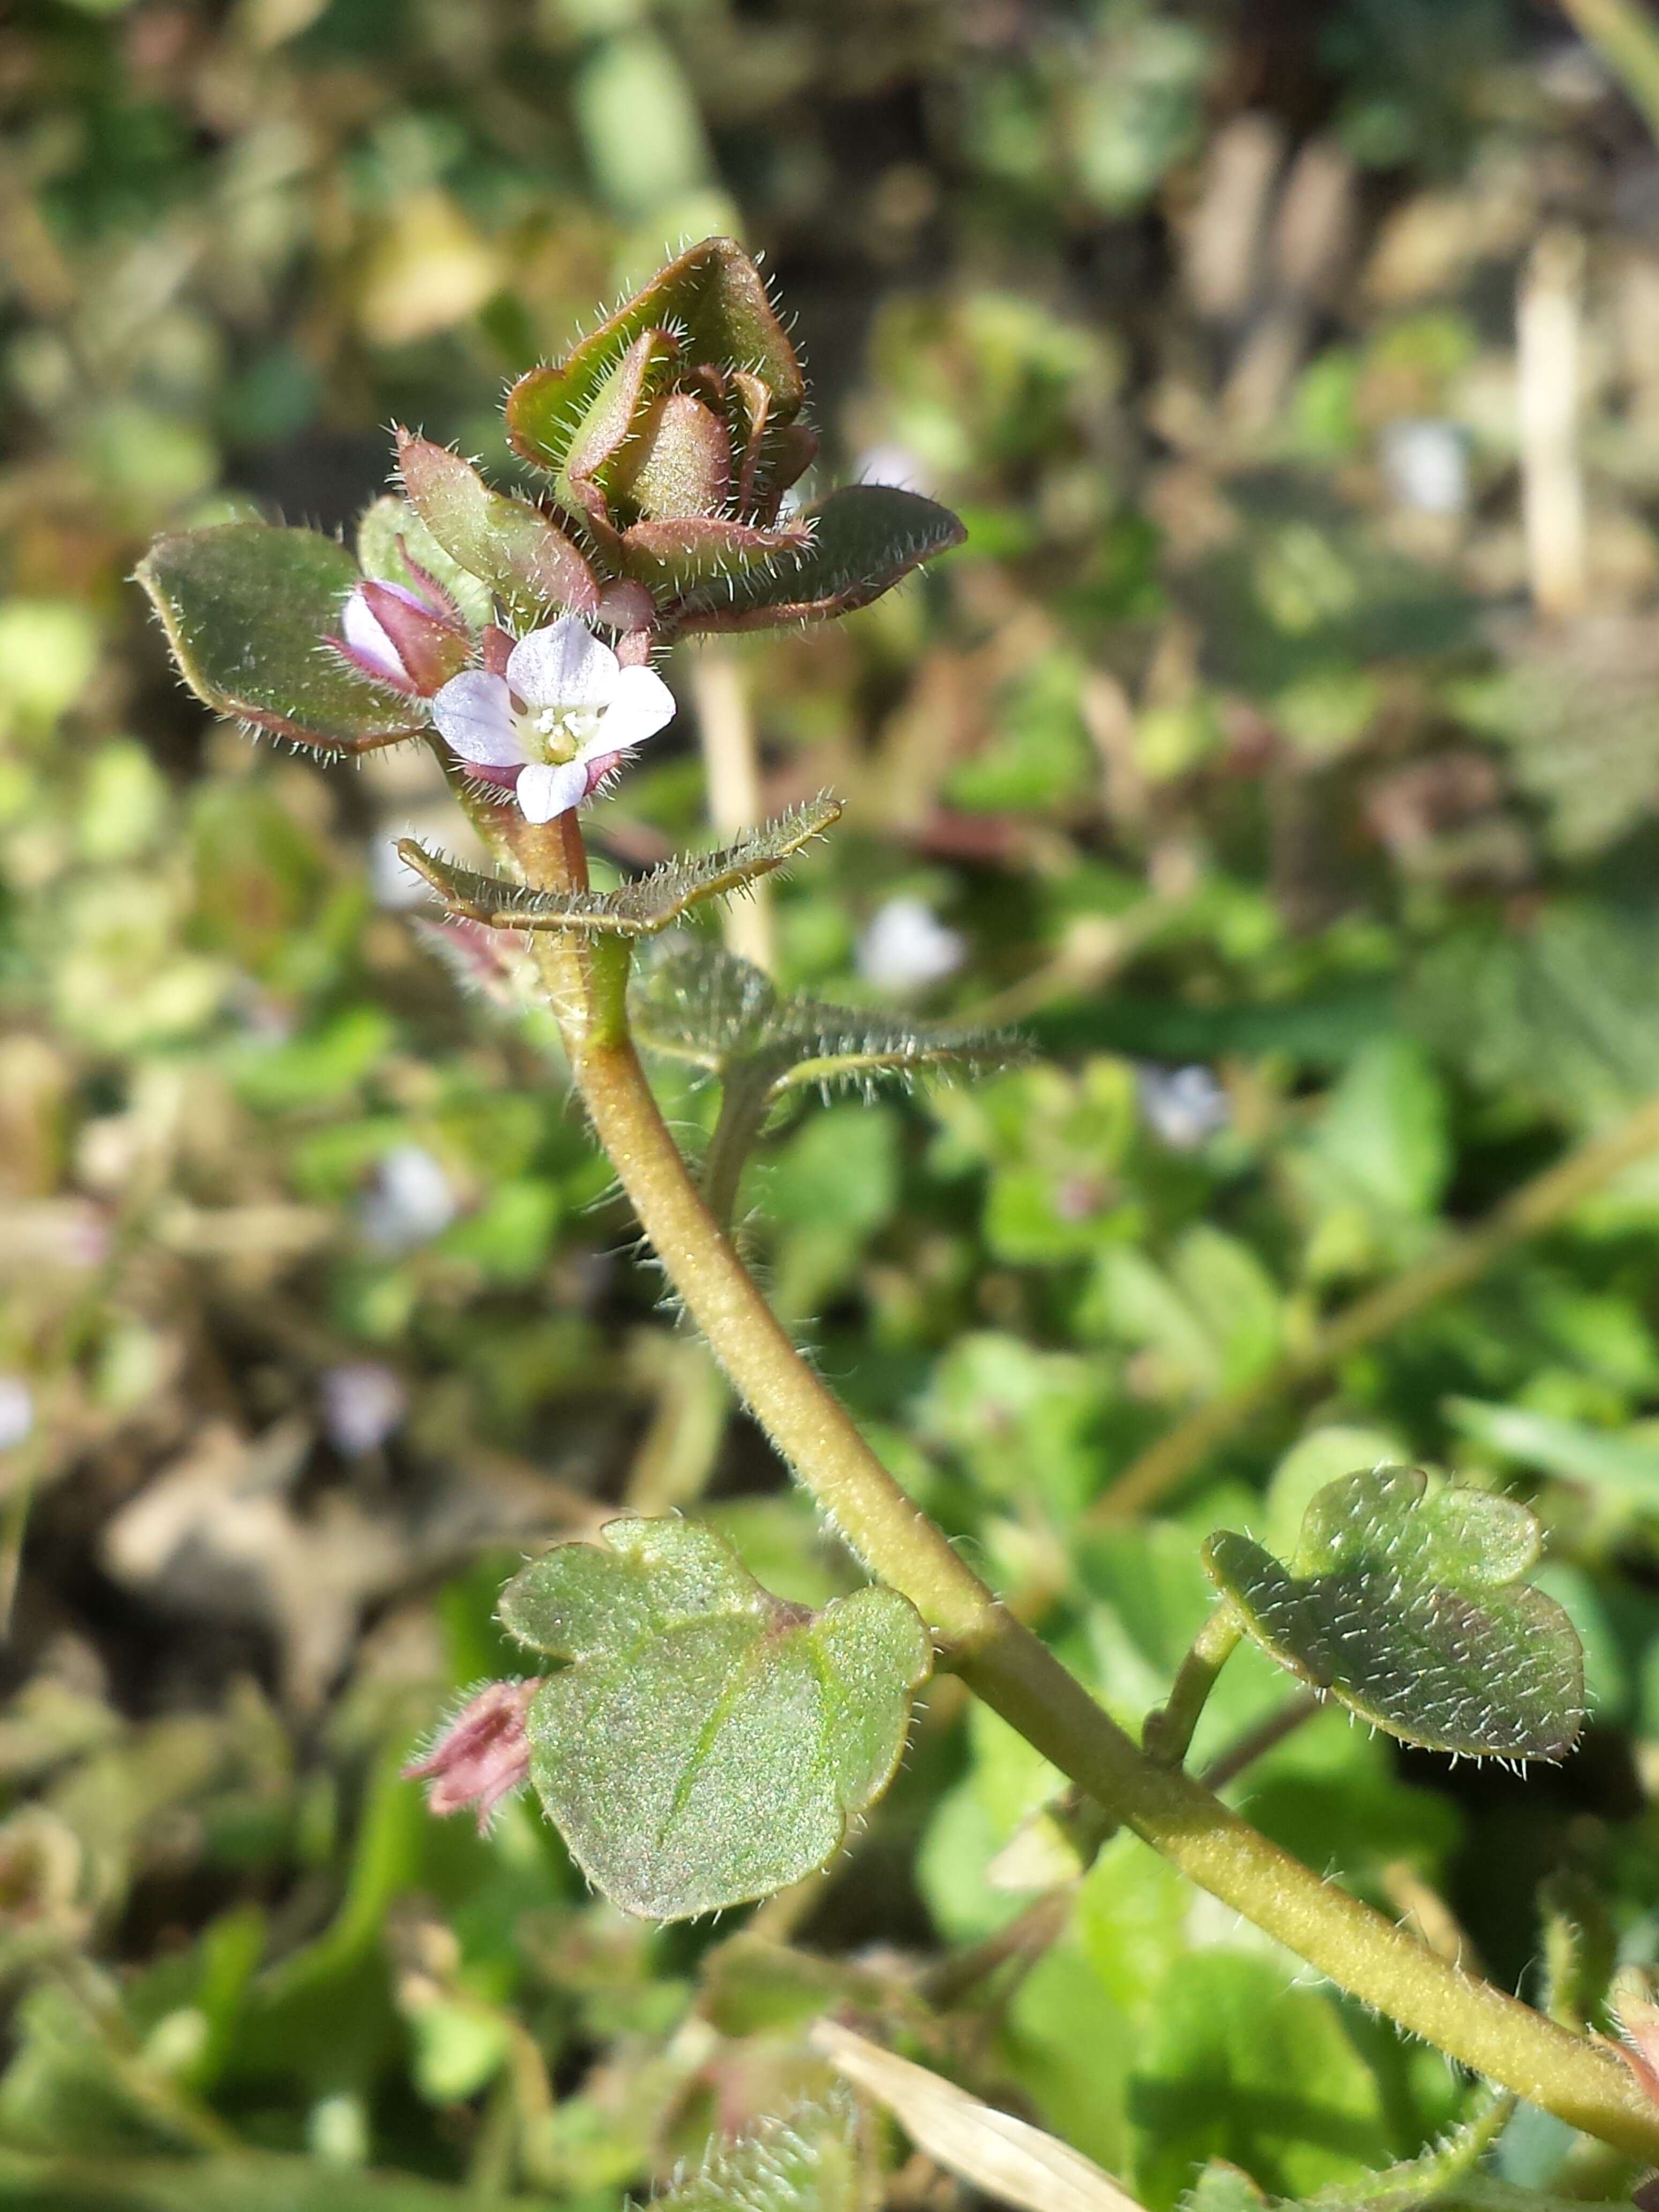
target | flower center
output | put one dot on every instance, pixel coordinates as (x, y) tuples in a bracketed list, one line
[(556, 734)]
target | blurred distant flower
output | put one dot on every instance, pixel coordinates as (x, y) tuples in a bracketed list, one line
[(893, 464), (1427, 466), (363, 1403), (411, 640), (1186, 1106), (482, 1756), (408, 1202), (396, 886), (906, 946), (560, 720), (16, 1411)]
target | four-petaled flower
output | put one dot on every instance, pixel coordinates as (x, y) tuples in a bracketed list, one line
[(556, 722)]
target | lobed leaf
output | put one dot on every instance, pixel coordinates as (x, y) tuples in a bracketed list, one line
[(865, 539), (246, 607), (712, 296), (704, 1743), (639, 908), (527, 560), (697, 1003), (1403, 1602)]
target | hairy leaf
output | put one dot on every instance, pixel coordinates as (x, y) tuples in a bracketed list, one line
[(697, 1003), (641, 908), (246, 607), (1403, 1602), (711, 553), (706, 1743), (865, 537), (713, 295), (809, 2163), (526, 560)]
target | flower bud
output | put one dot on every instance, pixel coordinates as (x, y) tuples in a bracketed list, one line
[(482, 1756), (411, 640)]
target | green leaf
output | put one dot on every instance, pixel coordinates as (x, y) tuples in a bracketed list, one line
[(641, 908), (713, 296), (391, 536), (1234, 2065), (251, 2182), (245, 608), (865, 539), (711, 554), (527, 560), (696, 1003), (705, 1743), (1403, 1602), (1619, 1465), (809, 2163)]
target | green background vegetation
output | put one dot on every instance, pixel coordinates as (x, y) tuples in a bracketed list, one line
[(1252, 730)]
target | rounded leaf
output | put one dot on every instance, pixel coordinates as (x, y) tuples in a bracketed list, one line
[(704, 1743), (1402, 1602)]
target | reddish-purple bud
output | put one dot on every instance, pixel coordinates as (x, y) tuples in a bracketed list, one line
[(409, 640), (482, 1756)]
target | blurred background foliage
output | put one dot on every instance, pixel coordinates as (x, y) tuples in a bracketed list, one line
[(1281, 753)]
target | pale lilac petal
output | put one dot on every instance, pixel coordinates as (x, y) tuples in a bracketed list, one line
[(565, 665), (641, 704), (474, 715), (367, 639), (543, 792)]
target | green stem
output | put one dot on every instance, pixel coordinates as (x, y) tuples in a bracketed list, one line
[(1627, 40), (746, 1100), (1168, 1734), (999, 1658), (1583, 2082), (1537, 1206)]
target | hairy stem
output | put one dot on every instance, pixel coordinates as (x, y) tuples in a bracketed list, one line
[(1168, 1734), (1537, 1206), (1583, 2082), (744, 1101), (1013, 1672)]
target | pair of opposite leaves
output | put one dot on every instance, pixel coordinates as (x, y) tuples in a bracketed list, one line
[(702, 1743)]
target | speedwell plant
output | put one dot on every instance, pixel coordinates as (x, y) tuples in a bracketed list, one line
[(700, 1742)]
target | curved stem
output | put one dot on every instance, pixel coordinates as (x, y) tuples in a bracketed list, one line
[(745, 1098), (1537, 1206), (1168, 1734), (1584, 2083)]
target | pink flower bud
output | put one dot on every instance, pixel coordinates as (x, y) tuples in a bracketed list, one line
[(482, 1756), (411, 638)]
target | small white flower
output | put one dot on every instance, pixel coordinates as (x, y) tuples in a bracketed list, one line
[(1427, 466), (408, 1202), (1185, 1105), (363, 1403), (559, 721), (906, 946), (16, 1411)]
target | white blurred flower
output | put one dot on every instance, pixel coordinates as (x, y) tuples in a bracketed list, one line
[(906, 946), (16, 1411), (1427, 466), (893, 464), (396, 886), (363, 1403), (1186, 1106), (408, 1202)]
